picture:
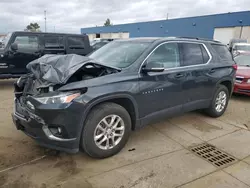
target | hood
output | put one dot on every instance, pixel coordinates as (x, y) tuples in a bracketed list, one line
[(100, 81), (243, 71), (57, 69)]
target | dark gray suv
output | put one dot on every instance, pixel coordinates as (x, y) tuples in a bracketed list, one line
[(69, 102)]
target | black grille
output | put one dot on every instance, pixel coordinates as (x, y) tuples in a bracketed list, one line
[(239, 79), (213, 155)]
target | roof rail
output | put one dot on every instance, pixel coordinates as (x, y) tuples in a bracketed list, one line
[(197, 38)]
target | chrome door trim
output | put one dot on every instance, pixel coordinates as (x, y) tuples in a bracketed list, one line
[(174, 68)]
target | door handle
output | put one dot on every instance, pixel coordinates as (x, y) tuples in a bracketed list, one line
[(179, 75)]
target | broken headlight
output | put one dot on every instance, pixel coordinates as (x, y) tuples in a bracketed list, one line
[(58, 99)]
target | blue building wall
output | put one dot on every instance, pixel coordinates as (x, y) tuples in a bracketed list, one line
[(202, 26)]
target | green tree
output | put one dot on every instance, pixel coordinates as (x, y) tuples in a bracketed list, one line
[(34, 27), (108, 22)]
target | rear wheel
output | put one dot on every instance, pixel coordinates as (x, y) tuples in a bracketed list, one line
[(219, 103), (106, 130)]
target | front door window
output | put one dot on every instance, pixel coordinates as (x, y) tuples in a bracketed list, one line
[(166, 55), (27, 43)]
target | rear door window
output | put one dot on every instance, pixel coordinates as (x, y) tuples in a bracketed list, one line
[(56, 42), (204, 54), (76, 42), (192, 54), (223, 52)]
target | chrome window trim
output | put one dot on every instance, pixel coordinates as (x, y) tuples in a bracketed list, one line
[(190, 42)]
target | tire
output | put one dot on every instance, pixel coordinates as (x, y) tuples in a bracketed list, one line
[(91, 128), (212, 111)]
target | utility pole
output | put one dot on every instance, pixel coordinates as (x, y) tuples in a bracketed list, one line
[(241, 28), (54, 29), (45, 19), (167, 16)]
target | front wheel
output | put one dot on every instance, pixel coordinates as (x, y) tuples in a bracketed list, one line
[(219, 103), (106, 130)]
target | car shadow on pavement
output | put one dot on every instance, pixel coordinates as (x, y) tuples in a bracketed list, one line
[(240, 97)]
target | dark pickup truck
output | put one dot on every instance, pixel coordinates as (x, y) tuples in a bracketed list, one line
[(20, 48)]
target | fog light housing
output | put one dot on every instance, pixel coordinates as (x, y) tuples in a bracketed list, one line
[(56, 131), (62, 137)]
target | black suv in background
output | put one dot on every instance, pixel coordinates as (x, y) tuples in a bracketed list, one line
[(20, 48), (70, 102)]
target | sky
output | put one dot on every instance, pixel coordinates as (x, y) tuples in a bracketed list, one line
[(69, 16)]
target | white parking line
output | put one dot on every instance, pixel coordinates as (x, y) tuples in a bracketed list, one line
[(13, 167)]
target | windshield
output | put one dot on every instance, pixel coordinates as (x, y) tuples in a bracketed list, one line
[(5, 40), (243, 60), (119, 54), (93, 42), (242, 47), (99, 45)]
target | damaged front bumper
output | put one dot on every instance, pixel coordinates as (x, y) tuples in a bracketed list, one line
[(56, 126)]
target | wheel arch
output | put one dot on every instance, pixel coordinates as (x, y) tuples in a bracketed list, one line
[(124, 100), (228, 83)]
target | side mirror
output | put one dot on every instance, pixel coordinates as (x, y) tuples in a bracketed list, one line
[(14, 47), (153, 67)]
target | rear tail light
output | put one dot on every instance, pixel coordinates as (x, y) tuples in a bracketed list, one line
[(235, 66)]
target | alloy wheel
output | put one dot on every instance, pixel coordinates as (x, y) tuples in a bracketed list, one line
[(109, 132), (220, 101)]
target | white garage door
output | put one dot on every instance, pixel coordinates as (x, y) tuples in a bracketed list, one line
[(224, 34), (122, 35), (106, 35), (115, 35)]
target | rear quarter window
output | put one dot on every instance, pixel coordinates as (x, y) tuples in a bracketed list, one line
[(223, 52)]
